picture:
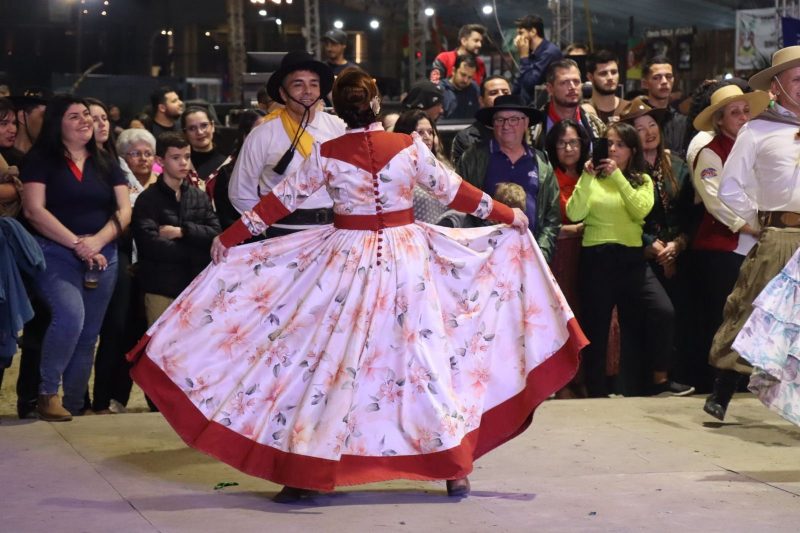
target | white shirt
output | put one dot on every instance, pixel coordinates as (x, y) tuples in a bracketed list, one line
[(762, 170), (705, 178), (698, 142), (253, 176)]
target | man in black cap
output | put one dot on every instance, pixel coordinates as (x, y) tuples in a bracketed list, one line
[(278, 146), (334, 43), (506, 157), (428, 97)]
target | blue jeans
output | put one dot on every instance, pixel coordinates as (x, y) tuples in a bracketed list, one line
[(77, 314)]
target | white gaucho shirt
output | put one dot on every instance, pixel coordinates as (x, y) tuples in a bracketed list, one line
[(762, 169), (253, 176)]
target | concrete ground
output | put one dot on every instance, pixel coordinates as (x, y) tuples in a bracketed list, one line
[(632, 464)]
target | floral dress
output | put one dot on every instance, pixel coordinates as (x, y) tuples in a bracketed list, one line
[(340, 356), (770, 341)]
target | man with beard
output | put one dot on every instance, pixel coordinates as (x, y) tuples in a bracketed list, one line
[(461, 93), (491, 88), (470, 39), (564, 87), (334, 43), (657, 81), (277, 147), (602, 69), (167, 109)]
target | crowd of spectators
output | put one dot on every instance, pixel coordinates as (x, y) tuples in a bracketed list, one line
[(124, 213)]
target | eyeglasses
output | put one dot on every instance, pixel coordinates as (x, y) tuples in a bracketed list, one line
[(511, 121), (136, 154), (572, 144), (203, 126)]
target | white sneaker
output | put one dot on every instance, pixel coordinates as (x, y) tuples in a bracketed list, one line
[(116, 407)]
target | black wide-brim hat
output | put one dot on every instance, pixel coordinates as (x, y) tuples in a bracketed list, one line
[(299, 60), (31, 96), (508, 102)]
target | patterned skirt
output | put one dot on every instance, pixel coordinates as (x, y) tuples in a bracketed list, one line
[(334, 357), (770, 341)]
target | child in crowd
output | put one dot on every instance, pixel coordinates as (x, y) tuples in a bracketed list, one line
[(173, 226), (508, 193)]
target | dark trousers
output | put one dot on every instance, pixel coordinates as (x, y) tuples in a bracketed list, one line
[(713, 275), (31, 355), (123, 325), (610, 275)]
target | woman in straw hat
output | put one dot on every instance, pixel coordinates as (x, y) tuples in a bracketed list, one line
[(371, 349), (722, 239)]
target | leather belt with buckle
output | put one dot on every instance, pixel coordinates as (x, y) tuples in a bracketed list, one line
[(308, 217), (779, 219)]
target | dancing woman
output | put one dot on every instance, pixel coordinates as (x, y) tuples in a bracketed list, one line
[(375, 348)]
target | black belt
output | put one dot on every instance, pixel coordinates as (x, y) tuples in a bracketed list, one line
[(308, 217)]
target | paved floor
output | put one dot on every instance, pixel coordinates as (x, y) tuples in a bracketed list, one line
[(629, 464)]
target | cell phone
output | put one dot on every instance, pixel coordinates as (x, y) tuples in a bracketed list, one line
[(599, 151)]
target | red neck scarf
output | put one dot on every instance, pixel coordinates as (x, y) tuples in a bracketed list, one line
[(555, 119)]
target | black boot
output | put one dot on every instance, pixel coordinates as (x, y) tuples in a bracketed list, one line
[(725, 384)]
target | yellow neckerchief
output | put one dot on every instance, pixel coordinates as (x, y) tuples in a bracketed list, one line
[(290, 127)]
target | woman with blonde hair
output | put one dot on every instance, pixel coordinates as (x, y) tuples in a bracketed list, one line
[(723, 239), (396, 350)]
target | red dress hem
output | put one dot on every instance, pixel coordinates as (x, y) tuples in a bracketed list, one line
[(498, 425)]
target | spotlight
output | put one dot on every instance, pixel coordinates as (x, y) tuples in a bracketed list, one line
[(262, 12), (374, 24), (429, 11), (487, 9), (208, 34), (338, 24)]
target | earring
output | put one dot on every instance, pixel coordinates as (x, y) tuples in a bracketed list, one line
[(375, 104)]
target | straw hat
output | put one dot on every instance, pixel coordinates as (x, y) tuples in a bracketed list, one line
[(758, 101), (783, 59)]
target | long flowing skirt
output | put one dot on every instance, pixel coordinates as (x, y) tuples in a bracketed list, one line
[(334, 357), (770, 341)]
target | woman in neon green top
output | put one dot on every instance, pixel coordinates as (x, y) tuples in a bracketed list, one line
[(612, 200)]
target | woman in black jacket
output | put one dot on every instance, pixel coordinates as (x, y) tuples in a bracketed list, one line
[(173, 226)]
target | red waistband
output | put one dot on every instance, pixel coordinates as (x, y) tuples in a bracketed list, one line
[(377, 222)]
